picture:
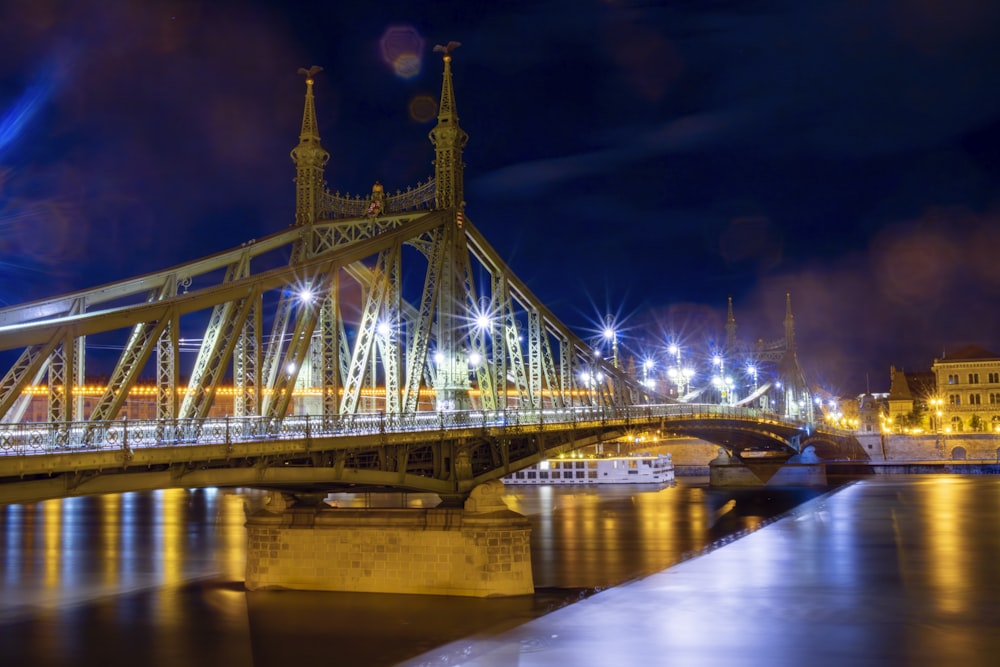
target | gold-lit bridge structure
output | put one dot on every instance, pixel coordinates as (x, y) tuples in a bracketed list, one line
[(433, 384)]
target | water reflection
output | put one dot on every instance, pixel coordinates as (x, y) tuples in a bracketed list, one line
[(156, 578)]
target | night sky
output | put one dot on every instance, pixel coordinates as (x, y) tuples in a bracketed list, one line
[(645, 159)]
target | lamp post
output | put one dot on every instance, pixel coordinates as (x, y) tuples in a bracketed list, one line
[(611, 335), (675, 373), (717, 381), (647, 366)]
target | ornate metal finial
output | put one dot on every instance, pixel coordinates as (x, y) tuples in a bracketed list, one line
[(446, 50), (311, 72)]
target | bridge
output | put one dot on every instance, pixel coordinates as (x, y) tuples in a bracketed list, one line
[(364, 378), (445, 453), (424, 371)]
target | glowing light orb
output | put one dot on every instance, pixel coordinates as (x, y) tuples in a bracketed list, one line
[(402, 48), (422, 108)]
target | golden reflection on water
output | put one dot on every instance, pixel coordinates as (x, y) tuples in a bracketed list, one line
[(948, 564), (110, 524), (230, 521), (52, 527)]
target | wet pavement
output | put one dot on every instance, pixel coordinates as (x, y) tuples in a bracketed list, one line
[(900, 570)]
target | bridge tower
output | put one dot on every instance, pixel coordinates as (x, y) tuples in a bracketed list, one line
[(309, 157), (451, 380), (796, 398), (789, 393)]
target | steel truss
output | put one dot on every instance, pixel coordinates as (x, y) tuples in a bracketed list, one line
[(525, 357)]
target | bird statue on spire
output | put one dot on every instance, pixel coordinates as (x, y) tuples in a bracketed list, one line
[(311, 72), (446, 50)]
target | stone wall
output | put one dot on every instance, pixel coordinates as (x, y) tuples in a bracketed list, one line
[(932, 447), (435, 551)]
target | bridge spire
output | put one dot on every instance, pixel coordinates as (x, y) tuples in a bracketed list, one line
[(797, 399), (730, 328), (309, 157), (789, 324), (448, 139)]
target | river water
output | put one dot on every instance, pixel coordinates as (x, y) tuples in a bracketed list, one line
[(157, 578)]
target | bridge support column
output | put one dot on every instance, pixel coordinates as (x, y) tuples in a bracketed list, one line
[(481, 550), (804, 469)]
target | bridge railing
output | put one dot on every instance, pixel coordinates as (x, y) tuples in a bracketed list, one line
[(24, 439)]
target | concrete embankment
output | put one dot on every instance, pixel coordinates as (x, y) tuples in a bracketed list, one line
[(914, 468)]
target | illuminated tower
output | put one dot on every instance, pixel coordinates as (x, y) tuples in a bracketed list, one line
[(797, 399), (309, 157), (451, 380), (449, 140), (731, 343)]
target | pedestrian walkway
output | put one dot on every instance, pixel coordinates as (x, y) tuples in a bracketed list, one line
[(894, 570)]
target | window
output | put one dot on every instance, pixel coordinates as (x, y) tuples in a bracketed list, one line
[(994, 399), (973, 378), (993, 378), (954, 399), (975, 399), (952, 378)]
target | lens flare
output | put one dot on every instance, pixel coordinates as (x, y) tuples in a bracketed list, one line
[(422, 108), (402, 49), (20, 113)]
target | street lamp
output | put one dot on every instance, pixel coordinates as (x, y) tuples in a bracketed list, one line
[(611, 336), (688, 373), (676, 374), (720, 364), (647, 366)]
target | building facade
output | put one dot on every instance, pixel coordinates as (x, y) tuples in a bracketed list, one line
[(967, 391)]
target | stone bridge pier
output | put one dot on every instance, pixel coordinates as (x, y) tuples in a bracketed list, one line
[(481, 549), (805, 469)]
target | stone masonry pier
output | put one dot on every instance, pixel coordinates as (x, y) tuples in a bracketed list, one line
[(479, 551)]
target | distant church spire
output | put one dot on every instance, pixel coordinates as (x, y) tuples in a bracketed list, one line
[(448, 139), (309, 157), (730, 328)]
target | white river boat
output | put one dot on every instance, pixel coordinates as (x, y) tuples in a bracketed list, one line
[(634, 469)]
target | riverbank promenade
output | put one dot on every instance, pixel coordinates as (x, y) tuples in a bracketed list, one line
[(889, 570)]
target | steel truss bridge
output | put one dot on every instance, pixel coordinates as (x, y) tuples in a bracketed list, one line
[(329, 304), (444, 453)]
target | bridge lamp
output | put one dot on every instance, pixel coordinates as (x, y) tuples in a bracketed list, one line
[(439, 358), (383, 329), (306, 295), (475, 359), (290, 368), (752, 370), (647, 366), (688, 374), (611, 336), (483, 322)]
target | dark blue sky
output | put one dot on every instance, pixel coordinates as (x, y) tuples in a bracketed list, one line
[(642, 158)]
